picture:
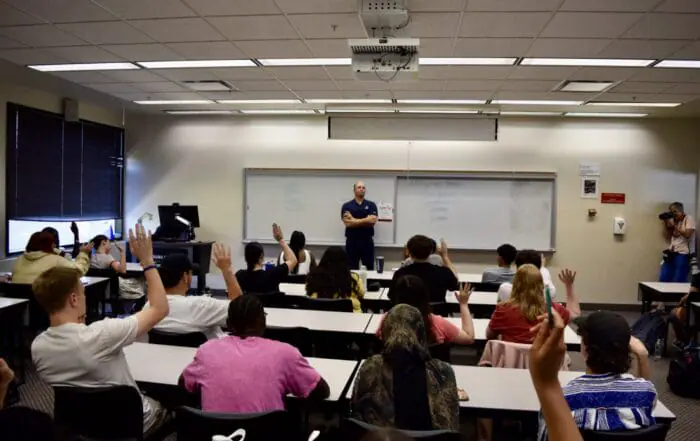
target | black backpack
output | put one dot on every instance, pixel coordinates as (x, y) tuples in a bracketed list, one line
[(684, 373), (649, 328)]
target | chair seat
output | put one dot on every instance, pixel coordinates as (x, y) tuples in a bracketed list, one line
[(197, 425)]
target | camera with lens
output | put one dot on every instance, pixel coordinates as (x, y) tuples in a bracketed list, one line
[(666, 215)]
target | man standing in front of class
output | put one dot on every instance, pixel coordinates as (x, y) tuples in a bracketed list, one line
[(359, 216)]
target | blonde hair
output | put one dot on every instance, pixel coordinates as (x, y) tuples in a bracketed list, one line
[(528, 292)]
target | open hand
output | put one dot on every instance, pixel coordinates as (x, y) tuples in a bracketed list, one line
[(442, 248), (567, 277), (277, 233), (6, 374), (548, 349), (120, 247), (86, 248), (464, 294), (221, 256), (74, 229), (544, 260), (140, 245)]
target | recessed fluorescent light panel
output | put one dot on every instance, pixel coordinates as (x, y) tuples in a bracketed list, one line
[(688, 64), (277, 112), (355, 110), (585, 86), (174, 102), (348, 101), (258, 101), (441, 101), (537, 102), (195, 63), (305, 61), (602, 62), (633, 104), (81, 67), (608, 115), (438, 111), (530, 113), (200, 112), (466, 61)]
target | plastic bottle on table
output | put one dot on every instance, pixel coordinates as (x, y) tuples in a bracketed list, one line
[(363, 277)]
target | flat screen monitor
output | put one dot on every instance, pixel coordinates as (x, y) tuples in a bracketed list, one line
[(168, 213)]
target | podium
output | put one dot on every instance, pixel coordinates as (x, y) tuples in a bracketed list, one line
[(199, 254)]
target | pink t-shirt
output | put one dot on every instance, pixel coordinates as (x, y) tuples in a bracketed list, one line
[(445, 332), (254, 374)]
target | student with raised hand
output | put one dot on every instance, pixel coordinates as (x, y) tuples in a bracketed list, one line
[(196, 313), (40, 256), (411, 290), (255, 279), (101, 257), (71, 353), (57, 243), (504, 272), (532, 257), (246, 373), (607, 398), (305, 259), (332, 279)]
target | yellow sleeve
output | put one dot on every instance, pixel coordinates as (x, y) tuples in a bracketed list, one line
[(359, 291), (82, 262)]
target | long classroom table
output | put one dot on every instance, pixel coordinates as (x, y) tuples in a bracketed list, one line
[(648, 292), (321, 321)]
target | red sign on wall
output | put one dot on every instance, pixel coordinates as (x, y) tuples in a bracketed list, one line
[(612, 198)]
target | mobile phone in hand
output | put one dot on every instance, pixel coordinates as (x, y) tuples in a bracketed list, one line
[(548, 298)]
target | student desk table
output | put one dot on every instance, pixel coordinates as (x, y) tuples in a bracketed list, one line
[(298, 289), (660, 291), (320, 321), (572, 340), (385, 277), (13, 316)]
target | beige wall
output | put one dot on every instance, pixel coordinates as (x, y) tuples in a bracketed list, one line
[(10, 93), (201, 161)]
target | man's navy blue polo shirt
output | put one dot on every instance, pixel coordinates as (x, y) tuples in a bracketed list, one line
[(359, 211)]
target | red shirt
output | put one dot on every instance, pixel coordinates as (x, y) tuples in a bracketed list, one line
[(445, 332), (509, 321)]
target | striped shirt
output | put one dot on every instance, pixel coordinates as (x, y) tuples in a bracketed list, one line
[(608, 403)]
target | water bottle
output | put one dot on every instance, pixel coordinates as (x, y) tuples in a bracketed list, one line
[(363, 277), (658, 349)]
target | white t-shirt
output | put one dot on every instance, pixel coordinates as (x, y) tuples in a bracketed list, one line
[(75, 354), (194, 314), (506, 288), (304, 267), (101, 261)]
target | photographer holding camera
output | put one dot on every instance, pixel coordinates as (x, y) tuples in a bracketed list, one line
[(680, 228)]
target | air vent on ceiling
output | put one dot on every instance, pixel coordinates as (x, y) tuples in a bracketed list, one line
[(584, 86), (210, 86)]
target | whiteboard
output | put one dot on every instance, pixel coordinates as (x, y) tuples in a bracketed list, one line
[(310, 202), (477, 213)]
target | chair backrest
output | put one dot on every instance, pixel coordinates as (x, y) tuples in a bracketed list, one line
[(197, 425), (274, 299), (485, 287), (656, 432), (189, 340), (339, 305), (38, 318), (298, 337), (104, 413), (441, 352), (352, 429), (503, 354)]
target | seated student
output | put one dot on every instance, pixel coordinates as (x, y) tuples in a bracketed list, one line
[(438, 279), (434, 257), (255, 279), (102, 259), (504, 272), (607, 398), (512, 319), (40, 255), (305, 259), (246, 373), (71, 353), (332, 279), (195, 313), (57, 242), (411, 290), (404, 387), (534, 258)]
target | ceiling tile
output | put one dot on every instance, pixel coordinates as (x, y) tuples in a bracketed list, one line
[(491, 24), (589, 25), (256, 86), (141, 96), (554, 96), (161, 86), (432, 85), (511, 6), (143, 52), (31, 56), (453, 94), (113, 87), (366, 94), (431, 24), (642, 87), (233, 7), (436, 47), (491, 47), (335, 48), (689, 88), (341, 72), (184, 75), (541, 73), (318, 94), (178, 30), (670, 26), (529, 85), (609, 5), (488, 85), (464, 72), (322, 6), (133, 76), (40, 36), (679, 6), (63, 11), (646, 98), (209, 50), (668, 75), (10, 16), (299, 73), (567, 47), (273, 95), (274, 48), (84, 77), (242, 73), (85, 54), (603, 73), (435, 5), (114, 32), (175, 96), (644, 49), (135, 9), (690, 52), (329, 25), (344, 85), (259, 27), (8, 43), (309, 85)]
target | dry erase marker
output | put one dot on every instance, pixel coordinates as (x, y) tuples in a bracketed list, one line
[(548, 298)]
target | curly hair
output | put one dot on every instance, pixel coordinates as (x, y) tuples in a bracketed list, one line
[(606, 360), (332, 276)]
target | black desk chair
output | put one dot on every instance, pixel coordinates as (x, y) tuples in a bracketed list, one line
[(102, 413), (656, 432), (441, 352), (485, 287), (188, 340), (38, 318), (340, 305), (298, 337), (352, 429), (196, 425), (275, 299)]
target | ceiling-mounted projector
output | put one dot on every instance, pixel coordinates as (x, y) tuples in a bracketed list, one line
[(386, 59), (383, 15)]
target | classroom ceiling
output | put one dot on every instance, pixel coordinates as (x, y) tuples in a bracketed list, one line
[(87, 31)]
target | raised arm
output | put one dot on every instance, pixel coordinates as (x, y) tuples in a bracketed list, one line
[(466, 334), (641, 354), (120, 266), (686, 228), (442, 251), (76, 239), (289, 258), (221, 256), (142, 247), (568, 278)]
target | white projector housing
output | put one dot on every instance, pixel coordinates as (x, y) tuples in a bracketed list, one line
[(386, 59), (382, 15)]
